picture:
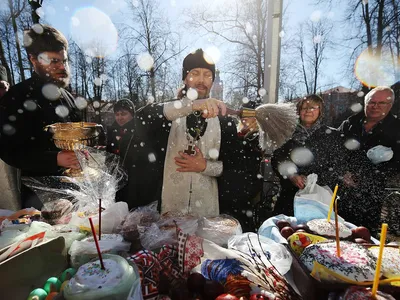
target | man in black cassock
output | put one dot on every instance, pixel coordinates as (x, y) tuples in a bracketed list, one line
[(34, 103), (186, 154)]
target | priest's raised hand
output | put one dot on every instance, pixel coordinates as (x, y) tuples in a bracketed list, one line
[(191, 163), (209, 107)]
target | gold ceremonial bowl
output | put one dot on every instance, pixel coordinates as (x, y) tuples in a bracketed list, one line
[(72, 136)]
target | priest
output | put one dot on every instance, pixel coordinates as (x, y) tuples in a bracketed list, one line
[(186, 154)]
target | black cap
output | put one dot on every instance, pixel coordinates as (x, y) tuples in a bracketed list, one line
[(124, 104), (3, 74), (197, 60)]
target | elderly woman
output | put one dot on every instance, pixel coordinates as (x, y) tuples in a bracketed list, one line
[(314, 148)]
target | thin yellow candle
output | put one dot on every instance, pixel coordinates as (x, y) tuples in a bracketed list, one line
[(337, 230), (379, 262), (332, 202)]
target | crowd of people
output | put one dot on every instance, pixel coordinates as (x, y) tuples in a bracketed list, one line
[(187, 154)]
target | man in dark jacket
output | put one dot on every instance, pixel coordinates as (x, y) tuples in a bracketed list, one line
[(36, 102), (375, 126)]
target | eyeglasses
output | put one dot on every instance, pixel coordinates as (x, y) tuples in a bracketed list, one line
[(311, 108), (379, 104)]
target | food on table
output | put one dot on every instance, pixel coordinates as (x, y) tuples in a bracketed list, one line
[(196, 283), (300, 240), (282, 223), (362, 293), (362, 233), (91, 282), (57, 212), (67, 274), (325, 228), (286, 232), (355, 262), (37, 294), (218, 229), (52, 284), (390, 260), (213, 289)]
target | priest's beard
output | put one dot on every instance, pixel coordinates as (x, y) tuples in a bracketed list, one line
[(51, 76)]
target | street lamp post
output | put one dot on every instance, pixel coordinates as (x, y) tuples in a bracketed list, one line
[(35, 4), (272, 50)]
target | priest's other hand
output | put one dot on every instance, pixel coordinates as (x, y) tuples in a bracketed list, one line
[(210, 107), (299, 181), (67, 159), (191, 163), (248, 126)]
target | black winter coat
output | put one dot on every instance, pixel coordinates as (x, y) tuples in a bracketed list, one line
[(385, 133), (24, 112), (328, 163), (115, 133)]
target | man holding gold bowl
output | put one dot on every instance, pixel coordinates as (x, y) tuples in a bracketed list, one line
[(35, 103)]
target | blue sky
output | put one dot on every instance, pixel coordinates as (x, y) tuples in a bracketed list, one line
[(60, 13)]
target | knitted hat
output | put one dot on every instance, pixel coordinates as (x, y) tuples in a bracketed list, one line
[(124, 104), (197, 59)]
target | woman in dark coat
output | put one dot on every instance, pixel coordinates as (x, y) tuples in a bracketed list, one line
[(124, 111), (314, 148)]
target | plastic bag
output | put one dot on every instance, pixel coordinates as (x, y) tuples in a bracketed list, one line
[(83, 286), (143, 216), (218, 229), (380, 154), (313, 201), (84, 251), (111, 218), (277, 254)]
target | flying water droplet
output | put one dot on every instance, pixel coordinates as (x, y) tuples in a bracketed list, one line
[(192, 94), (352, 144), (80, 103), (62, 111), (302, 156), (213, 153), (30, 105), (51, 91), (145, 61), (356, 107)]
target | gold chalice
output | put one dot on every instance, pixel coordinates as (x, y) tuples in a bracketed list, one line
[(75, 136)]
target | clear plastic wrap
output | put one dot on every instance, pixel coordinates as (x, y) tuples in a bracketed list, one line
[(142, 216), (276, 253), (164, 231), (101, 177), (92, 283), (84, 251), (219, 229)]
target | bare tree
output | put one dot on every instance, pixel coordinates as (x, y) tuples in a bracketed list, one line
[(372, 25), (312, 44), (153, 35), (243, 24)]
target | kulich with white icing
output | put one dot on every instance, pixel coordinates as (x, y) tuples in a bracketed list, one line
[(325, 228), (361, 293), (92, 283), (355, 262), (390, 260), (92, 275)]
